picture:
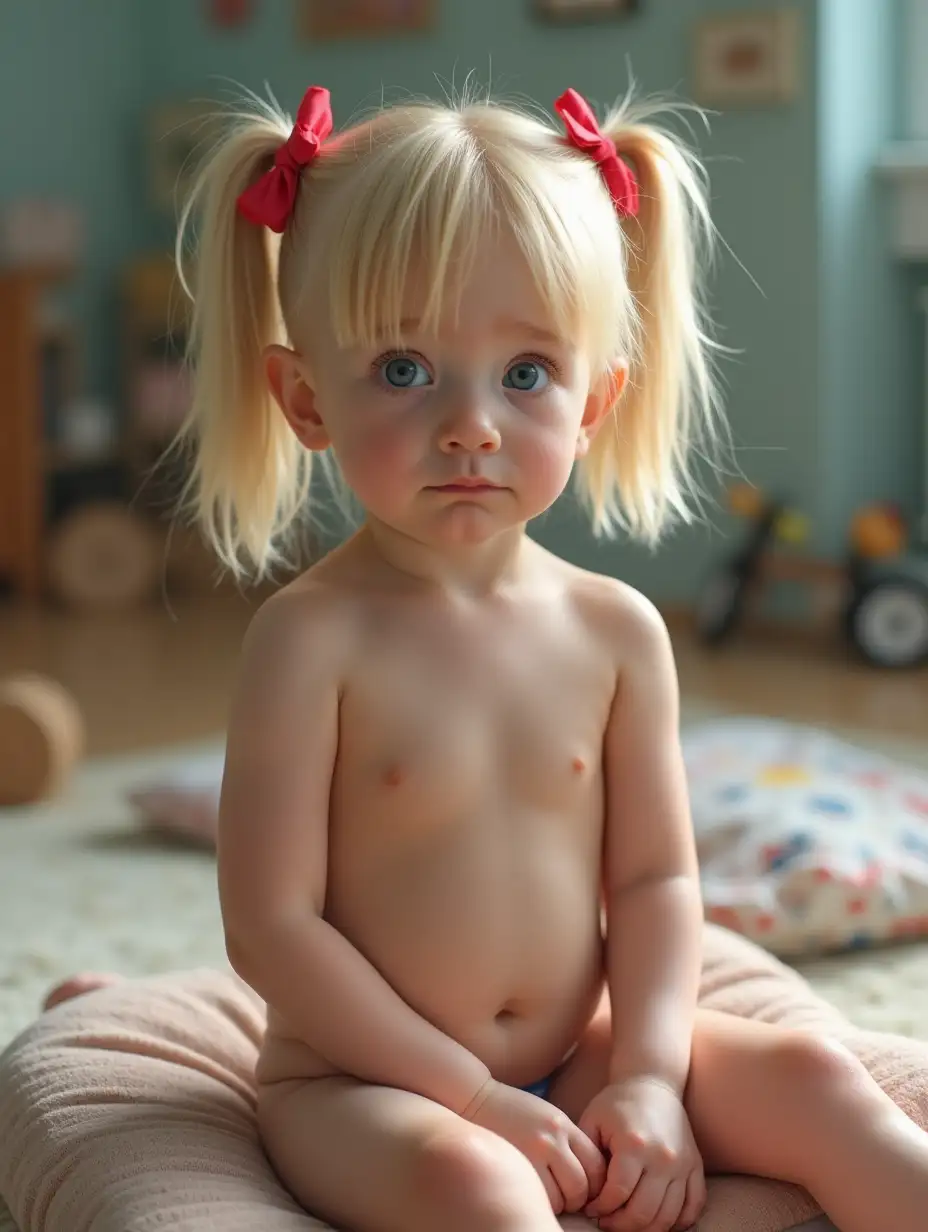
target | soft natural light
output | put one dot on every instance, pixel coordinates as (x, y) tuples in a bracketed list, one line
[(916, 69)]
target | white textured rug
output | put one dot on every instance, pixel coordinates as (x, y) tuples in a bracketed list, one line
[(82, 887)]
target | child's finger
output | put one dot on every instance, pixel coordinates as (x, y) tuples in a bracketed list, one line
[(623, 1175), (570, 1176), (642, 1207), (552, 1189), (668, 1214), (696, 1195), (591, 1157)]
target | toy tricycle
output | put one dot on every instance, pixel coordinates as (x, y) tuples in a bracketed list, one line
[(879, 593)]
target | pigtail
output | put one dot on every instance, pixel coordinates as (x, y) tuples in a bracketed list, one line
[(249, 476), (638, 471)]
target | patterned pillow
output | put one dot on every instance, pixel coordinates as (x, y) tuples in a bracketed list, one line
[(807, 843)]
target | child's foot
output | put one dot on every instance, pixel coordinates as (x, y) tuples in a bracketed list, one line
[(77, 986)]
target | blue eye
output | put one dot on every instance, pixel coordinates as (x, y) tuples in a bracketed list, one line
[(526, 376), (404, 372)]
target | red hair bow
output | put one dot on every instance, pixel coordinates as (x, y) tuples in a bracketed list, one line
[(583, 134), (269, 202)]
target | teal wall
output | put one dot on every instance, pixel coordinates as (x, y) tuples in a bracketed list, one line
[(817, 373), (70, 90), (868, 384)]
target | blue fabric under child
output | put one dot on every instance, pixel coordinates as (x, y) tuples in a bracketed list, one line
[(541, 1088)]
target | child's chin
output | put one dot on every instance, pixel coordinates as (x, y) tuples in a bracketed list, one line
[(466, 522)]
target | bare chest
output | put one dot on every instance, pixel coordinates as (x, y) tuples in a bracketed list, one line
[(437, 726)]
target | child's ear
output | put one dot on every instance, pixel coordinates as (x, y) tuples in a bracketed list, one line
[(600, 403), (289, 380)]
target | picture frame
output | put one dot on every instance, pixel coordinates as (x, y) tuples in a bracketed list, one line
[(566, 12), (749, 58), (319, 20), (229, 14)]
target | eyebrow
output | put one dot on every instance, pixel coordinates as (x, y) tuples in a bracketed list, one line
[(503, 325)]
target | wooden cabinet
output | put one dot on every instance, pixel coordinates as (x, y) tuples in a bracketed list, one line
[(24, 343)]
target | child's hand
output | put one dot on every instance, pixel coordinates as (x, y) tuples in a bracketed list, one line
[(655, 1180), (571, 1168)]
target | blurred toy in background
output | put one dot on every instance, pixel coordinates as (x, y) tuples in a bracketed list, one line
[(42, 738), (878, 593)]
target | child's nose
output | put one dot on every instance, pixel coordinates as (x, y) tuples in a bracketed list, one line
[(469, 428)]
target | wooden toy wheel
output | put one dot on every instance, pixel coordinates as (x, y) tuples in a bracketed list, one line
[(102, 557), (41, 737), (888, 622)]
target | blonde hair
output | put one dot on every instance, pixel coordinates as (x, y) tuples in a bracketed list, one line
[(421, 183)]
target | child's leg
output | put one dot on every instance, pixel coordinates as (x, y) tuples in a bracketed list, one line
[(375, 1158), (783, 1104)]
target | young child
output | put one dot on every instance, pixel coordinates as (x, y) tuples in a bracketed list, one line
[(455, 854)]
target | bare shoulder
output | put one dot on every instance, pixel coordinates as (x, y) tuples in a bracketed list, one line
[(645, 710), (305, 628), (626, 620)]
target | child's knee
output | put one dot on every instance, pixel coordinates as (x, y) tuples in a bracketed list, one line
[(817, 1066), (474, 1171)]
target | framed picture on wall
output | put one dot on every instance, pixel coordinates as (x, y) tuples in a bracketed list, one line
[(583, 10), (747, 59), (229, 14), (326, 19)]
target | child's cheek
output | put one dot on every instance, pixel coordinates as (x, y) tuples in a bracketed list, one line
[(547, 458), (379, 464)]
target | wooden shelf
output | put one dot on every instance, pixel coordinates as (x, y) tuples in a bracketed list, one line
[(22, 471), (61, 460), (39, 382)]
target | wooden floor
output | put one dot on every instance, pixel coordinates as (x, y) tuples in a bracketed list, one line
[(164, 675), (161, 675)]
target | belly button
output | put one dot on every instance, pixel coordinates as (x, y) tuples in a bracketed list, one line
[(505, 1015)]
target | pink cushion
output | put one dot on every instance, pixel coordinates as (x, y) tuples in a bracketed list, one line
[(132, 1108)]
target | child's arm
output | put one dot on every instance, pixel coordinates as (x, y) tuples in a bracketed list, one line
[(651, 877), (273, 844)]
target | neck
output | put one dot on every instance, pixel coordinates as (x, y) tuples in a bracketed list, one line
[(468, 571)]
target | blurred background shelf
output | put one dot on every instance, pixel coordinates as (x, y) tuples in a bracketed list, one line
[(81, 488)]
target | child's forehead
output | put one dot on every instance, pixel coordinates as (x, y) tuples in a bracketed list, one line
[(469, 324), (468, 283), (494, 290), (543, 331)]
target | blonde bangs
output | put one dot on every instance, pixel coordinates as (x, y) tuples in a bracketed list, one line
[(573, 256), (419, 201), (427, 198)]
